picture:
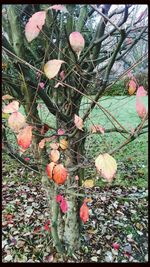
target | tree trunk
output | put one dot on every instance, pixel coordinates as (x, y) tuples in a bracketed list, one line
[(66, 227)]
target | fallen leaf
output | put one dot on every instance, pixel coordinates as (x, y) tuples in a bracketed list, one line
[(89, 183)]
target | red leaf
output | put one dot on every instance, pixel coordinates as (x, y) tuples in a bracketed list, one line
[(59, 198), (11, 107), (64, 205), (24, 137), (34, 25), (54, 145), (60, 174), (116, 246), (49, 169), (62, 74), (84, 213), (16, 121), (46, 227)]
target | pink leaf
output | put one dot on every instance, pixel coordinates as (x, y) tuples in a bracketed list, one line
[(42, 85), (77, 42), (76, 177), (16, 121), (59, 7), (140, 107), (26, 159), (11, 107), (34, 25), (59, 198), (24, 137), (52, 67), (78, 122), (97, 128), (64, 205), (141, 92), (62, 74), (60, 132)]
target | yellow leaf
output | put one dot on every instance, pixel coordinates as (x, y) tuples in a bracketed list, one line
[(106, 165), (63, 144), (88, 183), (52, 67)]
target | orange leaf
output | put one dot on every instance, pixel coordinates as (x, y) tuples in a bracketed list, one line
[(132, 87), (78, 122), (77, 42), (52, 67), (84, 212), (11, 107), (16, 121), (60, 174), (106, 165), (59, 7), (34, 25), (63, 144), (54, 155), (54, 145), (24, 137), (49, 169)]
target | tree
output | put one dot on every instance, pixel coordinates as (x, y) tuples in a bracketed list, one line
[(55, 54)]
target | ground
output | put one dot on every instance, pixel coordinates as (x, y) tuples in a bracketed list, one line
[(117, 230)]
